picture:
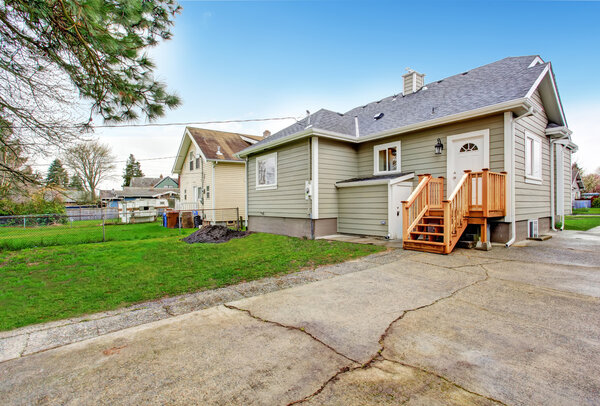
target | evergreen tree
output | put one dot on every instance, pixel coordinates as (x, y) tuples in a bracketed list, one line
[(57, 174), (76, 183), (64, 62), (132, 170)]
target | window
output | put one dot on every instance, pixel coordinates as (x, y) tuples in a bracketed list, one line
[(266, 171), (197, 163), (184, 194), (533, 158), (191, 160), (468, 147), (387, 158)]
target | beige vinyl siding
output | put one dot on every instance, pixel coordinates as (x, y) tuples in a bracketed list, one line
[(337, 161), (229, 188), (532, 201), (190, 179), (567, 181), (362, 209), (293, 170), (417, 148)]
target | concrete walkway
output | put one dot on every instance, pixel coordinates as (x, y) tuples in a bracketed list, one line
[(508, 326)]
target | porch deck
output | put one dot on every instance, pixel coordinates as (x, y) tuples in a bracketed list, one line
[(432, 224)]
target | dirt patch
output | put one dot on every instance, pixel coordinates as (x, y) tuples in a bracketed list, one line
[(214, 234)]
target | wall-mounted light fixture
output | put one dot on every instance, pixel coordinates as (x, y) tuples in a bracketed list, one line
[(439, 147)]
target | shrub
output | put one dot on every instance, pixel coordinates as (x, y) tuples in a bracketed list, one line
[(596, 202), (53, 209)]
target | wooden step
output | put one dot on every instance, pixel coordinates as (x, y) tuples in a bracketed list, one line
[(430, 225), (425, 246), (427, 233)]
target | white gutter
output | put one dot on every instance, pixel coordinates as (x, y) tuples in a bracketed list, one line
[(513, 222), (496, 108), (562, 140)]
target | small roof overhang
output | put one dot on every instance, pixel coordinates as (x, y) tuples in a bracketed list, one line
[(376, 180)]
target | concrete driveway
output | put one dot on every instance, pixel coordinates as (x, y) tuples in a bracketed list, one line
[(510, 326)]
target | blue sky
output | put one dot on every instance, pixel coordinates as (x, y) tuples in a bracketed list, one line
[(247, 59)]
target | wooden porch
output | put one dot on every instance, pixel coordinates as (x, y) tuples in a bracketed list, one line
[(433, 224)]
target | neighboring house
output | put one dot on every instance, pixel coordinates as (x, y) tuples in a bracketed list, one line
[(141, 188), (349, 173), (154, 183), (577, 186), (211, 176)]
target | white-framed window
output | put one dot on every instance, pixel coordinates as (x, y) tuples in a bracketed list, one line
[(386, 158), (266, 171), (191, 160), (533, 158)]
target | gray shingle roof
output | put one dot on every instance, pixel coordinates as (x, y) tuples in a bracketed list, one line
[(501, 81)]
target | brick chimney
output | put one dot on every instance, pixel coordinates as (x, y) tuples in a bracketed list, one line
[(266, 133), (413, 81)]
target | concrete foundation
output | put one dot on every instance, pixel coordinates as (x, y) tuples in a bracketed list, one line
[(293, 227), (500, 232)]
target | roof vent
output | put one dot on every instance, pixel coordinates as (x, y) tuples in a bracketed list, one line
[(377, 116), (464, 73), (219, 150), (413, 81)]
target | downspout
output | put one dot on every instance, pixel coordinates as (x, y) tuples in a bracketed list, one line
[(552, 157), (513, 225), (246, 190), (561, 141)]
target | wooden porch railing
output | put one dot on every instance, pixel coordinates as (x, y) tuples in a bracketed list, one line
[(416, 206), (477, 196)]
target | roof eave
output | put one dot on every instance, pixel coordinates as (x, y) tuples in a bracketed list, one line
[(370, 182), (519, 105)]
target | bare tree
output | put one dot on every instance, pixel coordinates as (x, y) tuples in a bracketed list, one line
[(92, 162)]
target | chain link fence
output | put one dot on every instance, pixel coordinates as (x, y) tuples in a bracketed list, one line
[(97, 225)]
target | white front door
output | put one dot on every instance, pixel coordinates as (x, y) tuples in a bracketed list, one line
[(466, 151), (398, 192)]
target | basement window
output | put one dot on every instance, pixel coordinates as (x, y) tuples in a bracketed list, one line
[(386, 158), (533, 158), (266, 171)]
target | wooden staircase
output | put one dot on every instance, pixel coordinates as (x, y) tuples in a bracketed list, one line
[(432, 224)]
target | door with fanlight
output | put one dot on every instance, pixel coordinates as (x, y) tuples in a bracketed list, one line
[(468, 151)]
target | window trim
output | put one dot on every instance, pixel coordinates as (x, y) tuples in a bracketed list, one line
[(378, 148), (533, 178), (265, 157)]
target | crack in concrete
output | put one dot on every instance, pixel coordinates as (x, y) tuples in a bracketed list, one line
[(443, 378), (168, 310), (302, 330), (378, 354), (24, 346)]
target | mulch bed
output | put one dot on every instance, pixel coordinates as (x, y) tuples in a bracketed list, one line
[(214, 234)]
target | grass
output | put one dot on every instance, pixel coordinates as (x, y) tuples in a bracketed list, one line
[(581, 223), (593, 210), (79, 232), (51, 283)]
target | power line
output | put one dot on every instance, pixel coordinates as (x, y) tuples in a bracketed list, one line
[(158, 124), (120, 162)]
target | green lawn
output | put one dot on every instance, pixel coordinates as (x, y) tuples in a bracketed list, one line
[(50, 283), (581, 223), (593, 210), (80, 232)]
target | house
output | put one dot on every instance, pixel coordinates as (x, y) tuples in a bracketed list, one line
[(211, 176), (141, 188), (161, 182), (351, 172)]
